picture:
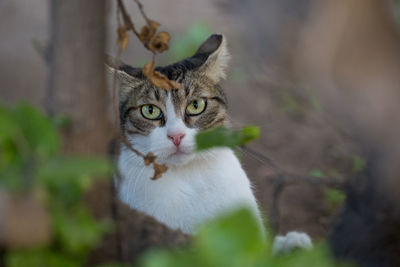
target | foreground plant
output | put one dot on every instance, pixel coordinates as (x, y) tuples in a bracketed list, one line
[(43, 191)]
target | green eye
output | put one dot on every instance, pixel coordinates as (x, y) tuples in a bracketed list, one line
[(151, 112), (196, 107)]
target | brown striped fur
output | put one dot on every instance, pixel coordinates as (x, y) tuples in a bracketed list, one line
[(199, 77)]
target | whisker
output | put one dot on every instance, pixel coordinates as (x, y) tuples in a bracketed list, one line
[(137, 179), (259, 157)]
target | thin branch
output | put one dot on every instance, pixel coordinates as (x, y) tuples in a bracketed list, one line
[(281, 180), (115, 93), (127, 19), (290, 179), (149, 158), (128, 144), (261, 158), (140, 6)]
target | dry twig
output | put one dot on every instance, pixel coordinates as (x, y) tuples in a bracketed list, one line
[(156, 43)]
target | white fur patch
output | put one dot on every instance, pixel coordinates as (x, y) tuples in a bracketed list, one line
[(197, 186), (187, 195)]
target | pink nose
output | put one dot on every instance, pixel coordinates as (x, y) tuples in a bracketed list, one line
[(176, 138)]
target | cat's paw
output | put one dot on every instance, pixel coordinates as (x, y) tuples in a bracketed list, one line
[(291, 241)]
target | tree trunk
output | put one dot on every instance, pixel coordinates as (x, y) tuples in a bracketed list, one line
[(77, 85), (77, 89)]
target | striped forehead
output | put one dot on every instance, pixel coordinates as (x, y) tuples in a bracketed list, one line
[(194, 87)]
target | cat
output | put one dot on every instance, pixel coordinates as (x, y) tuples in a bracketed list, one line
[(198, 186)]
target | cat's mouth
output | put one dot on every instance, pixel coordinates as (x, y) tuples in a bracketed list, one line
[(179, 152), (178, 157)]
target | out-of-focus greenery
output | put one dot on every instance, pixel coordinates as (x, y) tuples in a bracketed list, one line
[(235, 240), (316, 173), (397, 5), (30, 161), (334, 197), (358, 163), (221, 136), (185, 45)]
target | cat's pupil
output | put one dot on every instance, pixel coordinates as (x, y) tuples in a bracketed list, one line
[(150, 109), (195, 105)]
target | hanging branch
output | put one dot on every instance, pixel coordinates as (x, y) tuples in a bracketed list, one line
[(154, 42)]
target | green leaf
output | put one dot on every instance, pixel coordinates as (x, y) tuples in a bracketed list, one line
[(218, 137), (238, 234), (250, 133), (224, 137)]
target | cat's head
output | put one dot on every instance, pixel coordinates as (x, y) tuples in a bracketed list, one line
[(166, 122)]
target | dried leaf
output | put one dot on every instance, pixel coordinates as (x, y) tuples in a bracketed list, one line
[(123, 37), (148, 31), (148, 69), (159, 42), (158, 170), (149, 158), (161, 81), (153, 24), (158, 79)]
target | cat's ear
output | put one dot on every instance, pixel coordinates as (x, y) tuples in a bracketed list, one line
[(215, 51), (126, 74), (128, 77)]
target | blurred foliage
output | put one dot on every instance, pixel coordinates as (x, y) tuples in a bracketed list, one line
[(30, 161), (186, 45), (220, 136), (293, 104), (316, 173), (300, 103), (397, 9), (358, 163), (235, 240), (313, 99), (334, 197)]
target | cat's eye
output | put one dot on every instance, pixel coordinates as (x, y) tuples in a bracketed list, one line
[(196, 107), (151, 112)]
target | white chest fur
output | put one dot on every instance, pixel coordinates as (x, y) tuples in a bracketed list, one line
[(188, 195)]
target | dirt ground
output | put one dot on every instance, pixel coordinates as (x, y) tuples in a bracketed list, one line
[(261, 88)]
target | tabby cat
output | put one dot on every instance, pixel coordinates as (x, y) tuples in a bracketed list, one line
[(198, 186)]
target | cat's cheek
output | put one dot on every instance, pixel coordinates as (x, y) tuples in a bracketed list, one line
[(189, 142)]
